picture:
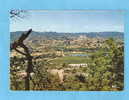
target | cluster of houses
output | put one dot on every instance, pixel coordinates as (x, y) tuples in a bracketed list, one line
[(78, 65)]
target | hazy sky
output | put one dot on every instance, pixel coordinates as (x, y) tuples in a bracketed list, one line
[(70, 21)]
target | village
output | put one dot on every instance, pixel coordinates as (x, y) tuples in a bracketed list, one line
[(72, 57)]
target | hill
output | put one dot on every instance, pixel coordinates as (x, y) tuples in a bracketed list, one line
[(62, 36)]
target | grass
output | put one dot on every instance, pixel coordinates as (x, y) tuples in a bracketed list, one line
[(69, 60)]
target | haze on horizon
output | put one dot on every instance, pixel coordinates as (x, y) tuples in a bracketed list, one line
[(73, 21)]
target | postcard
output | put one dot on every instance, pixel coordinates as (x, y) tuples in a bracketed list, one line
[(64, 50), (67, 50)]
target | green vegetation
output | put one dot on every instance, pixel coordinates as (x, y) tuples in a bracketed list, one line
[(102, 69), (69, 59)]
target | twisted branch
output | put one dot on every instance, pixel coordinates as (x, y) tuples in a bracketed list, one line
[(20, 43)]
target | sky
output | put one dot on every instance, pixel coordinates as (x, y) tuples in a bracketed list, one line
[(70, 21)]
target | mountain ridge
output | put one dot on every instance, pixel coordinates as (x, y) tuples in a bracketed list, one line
[(61, 35)]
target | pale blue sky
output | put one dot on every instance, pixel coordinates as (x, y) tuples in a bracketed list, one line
[(70, 21)]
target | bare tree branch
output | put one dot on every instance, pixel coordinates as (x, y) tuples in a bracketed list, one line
[(20, 43), (17, 13)]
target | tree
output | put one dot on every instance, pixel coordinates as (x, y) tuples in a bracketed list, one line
[(26, 53), (106, 69)]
